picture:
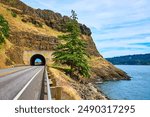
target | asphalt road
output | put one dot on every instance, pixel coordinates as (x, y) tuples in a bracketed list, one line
[(11, 70), (21, 83)]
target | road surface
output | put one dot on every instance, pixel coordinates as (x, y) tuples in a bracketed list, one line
[(21, 83)]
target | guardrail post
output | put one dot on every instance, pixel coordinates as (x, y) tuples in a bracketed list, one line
[(56, 92)]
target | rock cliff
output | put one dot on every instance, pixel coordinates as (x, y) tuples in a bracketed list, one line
[(50, 18), (38, 29)]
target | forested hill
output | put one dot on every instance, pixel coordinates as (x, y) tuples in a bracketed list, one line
[(139, 59)]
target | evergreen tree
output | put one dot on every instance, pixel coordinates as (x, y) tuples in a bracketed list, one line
[(4, 29), (72, 51)]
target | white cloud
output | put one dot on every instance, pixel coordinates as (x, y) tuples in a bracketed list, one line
[(122, 21)]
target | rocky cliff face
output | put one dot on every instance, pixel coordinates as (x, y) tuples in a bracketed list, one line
[(33, 41), (38, 29), (50, 18)]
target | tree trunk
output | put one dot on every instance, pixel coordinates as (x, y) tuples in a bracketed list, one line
[(71, 71)]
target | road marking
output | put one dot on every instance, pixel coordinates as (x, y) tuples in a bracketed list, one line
[(24, 88)]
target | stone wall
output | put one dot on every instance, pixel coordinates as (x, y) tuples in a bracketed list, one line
[(27, 54), (33, 41)]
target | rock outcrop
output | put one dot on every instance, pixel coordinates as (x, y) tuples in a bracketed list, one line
[(50, 18), (38, 29), (33, 41), (73, 90)]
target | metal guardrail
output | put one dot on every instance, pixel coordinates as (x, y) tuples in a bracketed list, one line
[(52, 91), (48, 87)]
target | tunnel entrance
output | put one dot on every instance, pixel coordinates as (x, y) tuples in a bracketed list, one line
[(37, 59)]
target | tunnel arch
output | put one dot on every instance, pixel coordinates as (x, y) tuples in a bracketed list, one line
[(37, 56)]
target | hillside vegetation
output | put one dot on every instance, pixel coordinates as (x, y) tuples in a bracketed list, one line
[(139, 59), (4, 29), (36, 29)]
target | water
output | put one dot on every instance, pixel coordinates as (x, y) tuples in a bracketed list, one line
[(138, 88)]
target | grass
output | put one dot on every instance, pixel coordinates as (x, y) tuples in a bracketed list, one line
[(63, 68), (65, 82), (17, 24), (2, 56)]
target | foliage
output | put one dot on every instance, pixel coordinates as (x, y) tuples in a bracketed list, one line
[(13, 14), (72, 51), (140, 59), (4, 29)]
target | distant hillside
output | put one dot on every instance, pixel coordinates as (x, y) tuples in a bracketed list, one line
[(139, 59)]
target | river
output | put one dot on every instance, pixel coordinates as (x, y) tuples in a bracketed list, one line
[(138, 88)]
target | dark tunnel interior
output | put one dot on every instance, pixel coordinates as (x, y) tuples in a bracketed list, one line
[(37, 59)]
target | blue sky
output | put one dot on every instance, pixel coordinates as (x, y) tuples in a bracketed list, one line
[(38, 60), (119, 27)]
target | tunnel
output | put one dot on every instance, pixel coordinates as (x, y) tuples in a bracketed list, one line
[(37, 59)]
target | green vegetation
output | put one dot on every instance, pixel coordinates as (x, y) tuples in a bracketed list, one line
[(72, 51), (13, 14), (4, 29), (139, 59)]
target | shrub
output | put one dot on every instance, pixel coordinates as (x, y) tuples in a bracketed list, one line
[(13, 14), (4, 29)]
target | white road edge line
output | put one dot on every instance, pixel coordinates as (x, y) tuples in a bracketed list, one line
[(24, 88)]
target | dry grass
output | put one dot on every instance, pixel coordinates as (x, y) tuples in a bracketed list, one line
[(64, 82), (2, 56), (98, 61), (17, 25)]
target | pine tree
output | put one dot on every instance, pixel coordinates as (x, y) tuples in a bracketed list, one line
[(72, 52)]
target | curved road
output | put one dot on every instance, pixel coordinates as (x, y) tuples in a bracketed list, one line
[(21, 83)]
